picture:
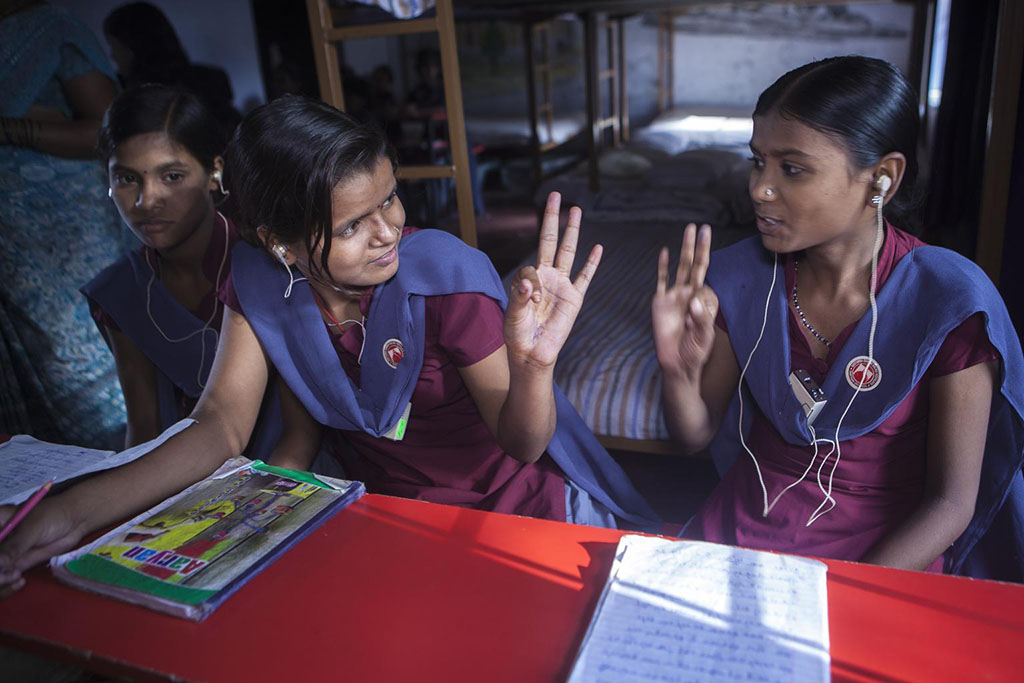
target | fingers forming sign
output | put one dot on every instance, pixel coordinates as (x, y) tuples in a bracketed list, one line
[(544, 300), (683, 314)]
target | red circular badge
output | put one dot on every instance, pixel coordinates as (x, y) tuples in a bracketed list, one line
[(393, 352), (863, 373)]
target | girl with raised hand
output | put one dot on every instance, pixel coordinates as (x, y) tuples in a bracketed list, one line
[(157, 307), (395, 338), (917, 451)]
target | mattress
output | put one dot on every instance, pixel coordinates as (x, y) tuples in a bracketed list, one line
[(608, 368), (514, 131)]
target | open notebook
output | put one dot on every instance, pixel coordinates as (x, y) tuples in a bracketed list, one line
[(692, 611)]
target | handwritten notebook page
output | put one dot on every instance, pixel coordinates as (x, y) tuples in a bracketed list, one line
[(691, 611), (27, 463)]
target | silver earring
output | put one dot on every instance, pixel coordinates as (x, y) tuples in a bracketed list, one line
[(110, 192)]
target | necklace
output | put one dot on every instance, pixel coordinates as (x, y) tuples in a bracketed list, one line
[(800, 312)]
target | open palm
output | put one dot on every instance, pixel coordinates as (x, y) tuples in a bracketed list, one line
[(683, 314), (544, 301)]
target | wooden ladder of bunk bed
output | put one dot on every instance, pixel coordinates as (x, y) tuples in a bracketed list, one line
[(326, 36)]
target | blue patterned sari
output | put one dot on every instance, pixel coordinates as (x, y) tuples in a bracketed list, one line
[(57, 230)]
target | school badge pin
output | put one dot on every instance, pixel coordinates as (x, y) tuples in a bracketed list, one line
[(393, 352), (863, 372)]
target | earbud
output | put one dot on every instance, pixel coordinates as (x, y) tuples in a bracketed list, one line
[(218, 177), (110, 192), (883, 183), (280, 251)]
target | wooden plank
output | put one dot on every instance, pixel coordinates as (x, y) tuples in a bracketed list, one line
[(381, 30), (328, 71), (420, 172), (619, 443), (456, 121), (995, 190)]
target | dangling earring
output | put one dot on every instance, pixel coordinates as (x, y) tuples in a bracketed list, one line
[(219, 177)]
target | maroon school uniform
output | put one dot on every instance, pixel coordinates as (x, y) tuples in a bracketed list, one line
[(448, 454), (880, 477)]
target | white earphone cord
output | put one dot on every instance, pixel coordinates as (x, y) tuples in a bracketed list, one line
[(206, 326), (818, 512), (879, 234)]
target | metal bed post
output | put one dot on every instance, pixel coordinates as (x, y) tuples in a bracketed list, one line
[(623, 97), (531, 96), (592, 87)]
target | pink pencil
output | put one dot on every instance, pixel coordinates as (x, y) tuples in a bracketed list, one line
[(25, 508)]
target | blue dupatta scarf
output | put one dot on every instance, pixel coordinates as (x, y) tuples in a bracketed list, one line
[(120, 290), (433, 263), (929, 293)]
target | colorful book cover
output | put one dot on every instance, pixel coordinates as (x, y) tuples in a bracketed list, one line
[(188, 554)]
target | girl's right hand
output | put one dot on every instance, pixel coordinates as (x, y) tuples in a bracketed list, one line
[(46, 531), (683, 315)]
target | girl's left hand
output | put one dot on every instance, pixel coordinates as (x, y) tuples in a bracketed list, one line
[(544, 302)]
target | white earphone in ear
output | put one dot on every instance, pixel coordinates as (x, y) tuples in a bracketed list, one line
[(884, 182), (110, 192), (218, 176), (280, 251)]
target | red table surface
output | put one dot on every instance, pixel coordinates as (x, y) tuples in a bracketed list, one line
[(395, 590)]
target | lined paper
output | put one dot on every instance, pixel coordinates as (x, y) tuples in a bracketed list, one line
[(691, 611), (27, 463)]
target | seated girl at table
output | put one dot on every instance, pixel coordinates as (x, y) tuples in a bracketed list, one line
[(157, 307), (920, 438), (396, 338)]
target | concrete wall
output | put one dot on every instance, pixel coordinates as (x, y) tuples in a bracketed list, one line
[(215, 32), (723, 57)]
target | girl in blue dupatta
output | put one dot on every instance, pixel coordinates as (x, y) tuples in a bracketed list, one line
[(157, 307), (376, 330), (914, 458)]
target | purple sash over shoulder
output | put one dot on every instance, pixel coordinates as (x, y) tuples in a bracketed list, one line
[(120, 290), (928, 294), (433, 263)]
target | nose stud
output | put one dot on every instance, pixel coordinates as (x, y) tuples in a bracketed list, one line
[(769, 192)]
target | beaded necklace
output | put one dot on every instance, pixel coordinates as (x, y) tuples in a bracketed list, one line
[(800, 312)]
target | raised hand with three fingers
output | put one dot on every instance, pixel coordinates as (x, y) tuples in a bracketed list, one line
[(683, 314), (544, 300)]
